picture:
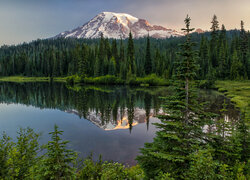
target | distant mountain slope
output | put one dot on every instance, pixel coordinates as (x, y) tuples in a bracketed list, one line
[(118, 25)]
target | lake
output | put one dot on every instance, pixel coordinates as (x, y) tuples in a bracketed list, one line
[(114, 121)]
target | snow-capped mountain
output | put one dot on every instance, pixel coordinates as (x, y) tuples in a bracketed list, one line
[(118, 25)]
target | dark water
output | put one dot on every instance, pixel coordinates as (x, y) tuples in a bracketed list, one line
[(112, 121)]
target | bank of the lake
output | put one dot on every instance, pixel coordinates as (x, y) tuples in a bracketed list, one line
[(150, 80), (23, 79), (238, 92)]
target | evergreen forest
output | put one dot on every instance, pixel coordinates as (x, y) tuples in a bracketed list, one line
[(191, 142), (222, 55)]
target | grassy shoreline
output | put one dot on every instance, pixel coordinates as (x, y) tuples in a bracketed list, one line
[(238, 92), (151, 80), (23, 79)]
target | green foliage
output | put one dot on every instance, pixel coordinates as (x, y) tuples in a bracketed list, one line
[(131, 54), (238, 91), (203, 166), (113, 171), (25, 153), (148, 61), (70, 80), (236, 67), (108, 170), (5, 147), (206, 84), (19, 160), (151, 80), (180, 131), (108, 79), (90, 169), (58, 161), (22, 79), (164, 176), (179, 149)]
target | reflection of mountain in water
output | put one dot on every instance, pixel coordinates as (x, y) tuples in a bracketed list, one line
[(121, 121), (108, 107)]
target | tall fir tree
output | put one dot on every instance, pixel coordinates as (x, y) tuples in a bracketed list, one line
[(244, 48), (115, 56), (131, 54), (214, 41), (148, 60), (101, 56), (83, 61)]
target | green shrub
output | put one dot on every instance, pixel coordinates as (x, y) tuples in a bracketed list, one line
[(70, 80), (135, 172), (202, 166), (206, 84), (108, 79), (90, 169), (150, 80)]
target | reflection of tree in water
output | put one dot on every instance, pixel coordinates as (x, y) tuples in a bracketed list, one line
[(81, 103), (106, 106), (130, 106), (116, 106), (147, 108), (222, 107)]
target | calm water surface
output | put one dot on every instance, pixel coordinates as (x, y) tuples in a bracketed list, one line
[(113, 121)]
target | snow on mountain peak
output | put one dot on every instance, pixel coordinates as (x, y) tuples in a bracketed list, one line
[(118, 25), (122, 17)]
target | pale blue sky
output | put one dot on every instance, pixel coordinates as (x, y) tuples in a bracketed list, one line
[(26, 20)]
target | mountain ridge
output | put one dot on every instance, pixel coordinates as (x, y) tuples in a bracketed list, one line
[(118, 25)]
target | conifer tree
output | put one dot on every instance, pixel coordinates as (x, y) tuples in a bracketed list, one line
[(225, 143), (101, 56), (214, 41), (22, 161), (205, 65), (82, 62), (112, 66), (223, 67), (243, 134), (148, 60), (122, 54), (244, 49), (236, 67), (58, 161), (55, 71), (131, 54), (5, 148), (158, 63), (115, 55)]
